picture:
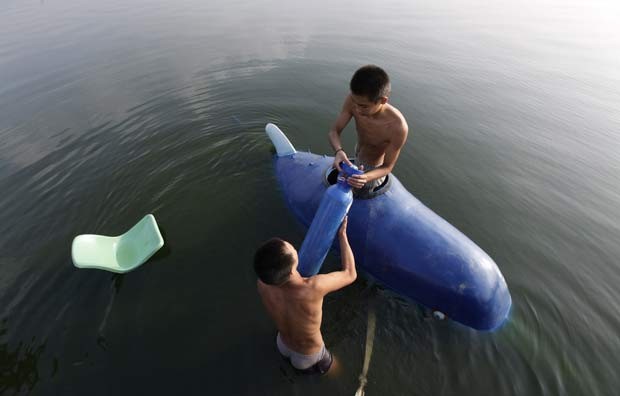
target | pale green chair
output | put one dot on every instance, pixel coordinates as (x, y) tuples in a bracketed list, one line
[(121, 253)]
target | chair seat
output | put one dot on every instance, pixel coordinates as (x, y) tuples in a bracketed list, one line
[(121, 253)]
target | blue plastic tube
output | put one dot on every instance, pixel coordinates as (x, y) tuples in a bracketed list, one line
[(334, 206)]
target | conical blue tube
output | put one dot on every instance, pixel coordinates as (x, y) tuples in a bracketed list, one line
[(334, 206)]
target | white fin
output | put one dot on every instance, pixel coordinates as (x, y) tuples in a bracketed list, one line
[(280, 141)]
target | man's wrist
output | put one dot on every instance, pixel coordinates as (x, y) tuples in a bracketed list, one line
[(375, 174), (339, 149)]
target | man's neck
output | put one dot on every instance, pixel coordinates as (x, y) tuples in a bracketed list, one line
[(295, 278), (379, 113)]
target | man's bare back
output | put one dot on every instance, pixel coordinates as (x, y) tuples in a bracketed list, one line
[(297, 310), (296, 305)]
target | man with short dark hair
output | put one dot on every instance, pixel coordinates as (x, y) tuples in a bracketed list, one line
[(295, 303), (381, 129)]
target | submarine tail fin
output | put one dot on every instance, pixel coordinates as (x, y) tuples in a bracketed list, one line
[(280, 141)]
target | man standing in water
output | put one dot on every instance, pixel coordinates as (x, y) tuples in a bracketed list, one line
[(381, 129), (295, 303)]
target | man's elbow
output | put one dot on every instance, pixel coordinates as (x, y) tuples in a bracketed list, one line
[(352, 275), (388, 166)]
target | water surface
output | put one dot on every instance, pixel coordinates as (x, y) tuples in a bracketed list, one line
[(112, 110)]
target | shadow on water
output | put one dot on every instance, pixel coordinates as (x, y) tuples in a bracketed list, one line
[(18, 368), (117, 284), (253, 366)]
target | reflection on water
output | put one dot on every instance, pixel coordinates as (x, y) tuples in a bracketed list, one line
[(19, 366)]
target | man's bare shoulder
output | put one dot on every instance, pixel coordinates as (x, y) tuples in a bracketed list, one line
[(315, 286), (397, 121), (301, 289), (348, 104), (313, 283), (265, 291)]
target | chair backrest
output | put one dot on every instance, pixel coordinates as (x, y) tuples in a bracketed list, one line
[(139, 243)]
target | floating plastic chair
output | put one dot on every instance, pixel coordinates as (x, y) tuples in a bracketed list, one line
[(121, 253)]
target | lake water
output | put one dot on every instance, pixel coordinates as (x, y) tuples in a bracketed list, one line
[(112, 110)]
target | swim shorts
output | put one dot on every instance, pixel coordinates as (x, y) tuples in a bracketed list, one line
[(367, 189), (318, 363)]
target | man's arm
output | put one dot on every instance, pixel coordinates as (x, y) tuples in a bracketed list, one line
[(333, 281), (389, 160), (335, 131)]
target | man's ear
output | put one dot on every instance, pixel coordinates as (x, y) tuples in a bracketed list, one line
[(383, 100)]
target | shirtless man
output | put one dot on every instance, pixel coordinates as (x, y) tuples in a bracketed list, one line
[(381, 129), (296, 304)]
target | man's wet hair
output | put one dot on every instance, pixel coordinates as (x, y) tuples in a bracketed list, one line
[(273, 262), (370, 81)]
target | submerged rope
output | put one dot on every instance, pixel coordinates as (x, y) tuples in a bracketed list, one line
[(370, 339)]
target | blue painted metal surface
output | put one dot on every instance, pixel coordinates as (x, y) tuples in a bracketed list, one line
[(406, 246)]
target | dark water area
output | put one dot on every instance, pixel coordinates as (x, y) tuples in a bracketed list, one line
[(112, 110)]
